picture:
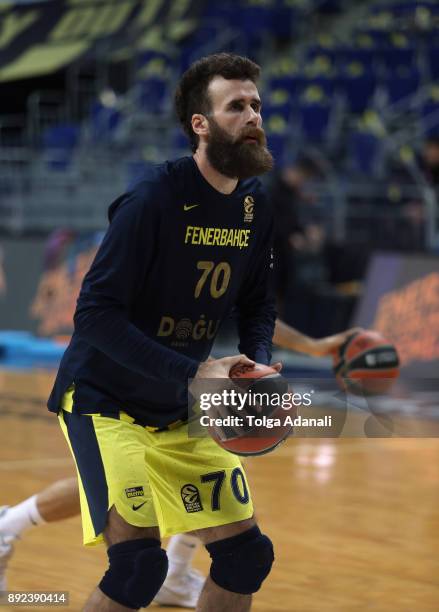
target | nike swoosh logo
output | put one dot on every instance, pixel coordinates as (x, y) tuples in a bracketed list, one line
[(188, 207), (139, 506)]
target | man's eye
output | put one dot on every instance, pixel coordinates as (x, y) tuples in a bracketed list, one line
[(237, 106)]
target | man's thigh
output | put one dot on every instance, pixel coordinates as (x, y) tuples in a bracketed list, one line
[(118, 530), (221, 532), (195, 484), (112, 472)]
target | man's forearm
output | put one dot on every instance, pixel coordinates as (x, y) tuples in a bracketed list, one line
[(289, 338)]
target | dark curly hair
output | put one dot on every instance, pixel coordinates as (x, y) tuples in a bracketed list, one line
[(191, 95)]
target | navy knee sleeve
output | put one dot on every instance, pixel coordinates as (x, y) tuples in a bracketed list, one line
[(240, 564), (137, 570)]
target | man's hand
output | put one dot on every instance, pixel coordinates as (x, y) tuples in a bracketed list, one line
[(220, 368), (327, 346), (276, 366)]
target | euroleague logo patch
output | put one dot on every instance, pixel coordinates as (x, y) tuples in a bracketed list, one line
[(191, 498), (249, 205)]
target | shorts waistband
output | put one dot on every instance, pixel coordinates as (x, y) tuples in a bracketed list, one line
[(123, 416), (170, 427), (67, 406)]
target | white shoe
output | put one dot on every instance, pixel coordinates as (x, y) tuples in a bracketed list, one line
[(6, 549), (182, 591)]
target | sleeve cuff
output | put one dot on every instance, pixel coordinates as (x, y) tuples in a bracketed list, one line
[(262, 356)]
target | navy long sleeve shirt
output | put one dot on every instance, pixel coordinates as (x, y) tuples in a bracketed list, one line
[(177, 257)]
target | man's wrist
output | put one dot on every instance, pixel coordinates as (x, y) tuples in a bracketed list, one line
[(307, 345)]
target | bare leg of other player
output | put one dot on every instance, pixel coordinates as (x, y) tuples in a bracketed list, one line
[(59, 501), (213, 598)]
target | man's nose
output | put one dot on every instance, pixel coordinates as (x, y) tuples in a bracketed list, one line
[(254, 118)]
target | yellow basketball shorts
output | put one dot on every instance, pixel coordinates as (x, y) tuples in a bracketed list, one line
[(164, 479)]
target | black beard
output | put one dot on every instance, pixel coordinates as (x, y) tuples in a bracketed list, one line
[(237, 158)]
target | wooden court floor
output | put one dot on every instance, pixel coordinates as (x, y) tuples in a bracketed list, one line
[(355, 523)]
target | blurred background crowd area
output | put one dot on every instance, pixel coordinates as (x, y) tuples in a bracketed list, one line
[(350, 106)]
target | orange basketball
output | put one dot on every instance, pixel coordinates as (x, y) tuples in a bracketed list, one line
[(366, 364), (265, 425)]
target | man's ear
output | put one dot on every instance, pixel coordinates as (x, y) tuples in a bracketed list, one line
[(200, 124)]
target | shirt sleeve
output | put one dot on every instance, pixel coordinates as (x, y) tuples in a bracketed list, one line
[(111, 286), (255, 308)]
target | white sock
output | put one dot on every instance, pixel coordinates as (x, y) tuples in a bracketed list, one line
[(21, 517), (181, 550)]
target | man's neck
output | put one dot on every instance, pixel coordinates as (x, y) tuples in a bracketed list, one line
[(221, 183)]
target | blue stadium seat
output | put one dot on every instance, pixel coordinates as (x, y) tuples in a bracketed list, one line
[(332, 53), (104, 120), (277, 144), (293, 84), (358, 84), (349, 54), (277, 102), (433, 61), (285, 111), (364, 149), (327, 84), (223, 11), (277, 127), (397, 52), (285, 19), (252, 18), (59, 143), (314, 117), (429, 112), (152, 94), (401, 83), (372, 37), (321, 65)]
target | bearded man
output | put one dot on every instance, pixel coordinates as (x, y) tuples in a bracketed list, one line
[(185, 246)]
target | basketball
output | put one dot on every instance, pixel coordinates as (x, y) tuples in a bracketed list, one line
[(265, 424), (366, 364)]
